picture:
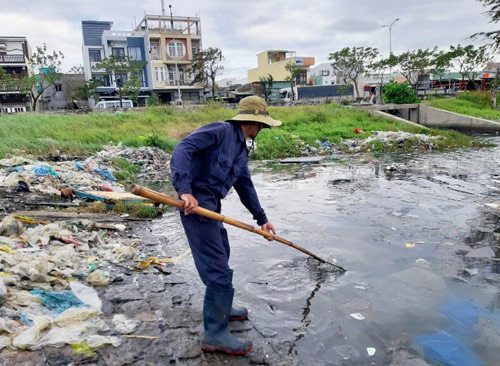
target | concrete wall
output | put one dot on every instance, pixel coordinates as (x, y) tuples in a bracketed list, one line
[(434, 117)]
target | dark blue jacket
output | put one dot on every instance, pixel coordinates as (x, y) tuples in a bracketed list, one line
[(209, 162)]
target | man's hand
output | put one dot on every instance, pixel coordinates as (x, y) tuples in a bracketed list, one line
[(268, 227), (190, 203)]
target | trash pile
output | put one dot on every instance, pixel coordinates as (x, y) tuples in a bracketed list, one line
[(46, 274), (95, 173), (154, 162), (386, 138)]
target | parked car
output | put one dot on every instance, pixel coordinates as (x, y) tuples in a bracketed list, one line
[(105, 104)]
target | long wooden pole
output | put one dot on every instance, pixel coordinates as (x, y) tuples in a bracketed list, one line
[(162, 198)]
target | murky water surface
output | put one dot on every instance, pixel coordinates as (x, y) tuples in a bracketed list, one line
[(418, 235)]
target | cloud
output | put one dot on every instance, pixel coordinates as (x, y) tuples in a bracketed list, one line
[(242, 29)]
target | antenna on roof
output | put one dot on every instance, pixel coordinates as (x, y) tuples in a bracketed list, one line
[(163, 7)]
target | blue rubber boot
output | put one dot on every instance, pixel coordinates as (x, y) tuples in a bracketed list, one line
[(237, 314), (216, 312)]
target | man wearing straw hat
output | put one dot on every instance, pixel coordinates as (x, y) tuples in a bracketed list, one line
[(205, 165)]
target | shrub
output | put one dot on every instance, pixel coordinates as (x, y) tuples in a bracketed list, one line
[(399, 94), (153, 100)]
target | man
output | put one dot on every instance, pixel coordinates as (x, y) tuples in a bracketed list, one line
[(205, 165)]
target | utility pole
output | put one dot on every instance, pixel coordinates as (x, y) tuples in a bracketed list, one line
[(390, 43), (179, 100)]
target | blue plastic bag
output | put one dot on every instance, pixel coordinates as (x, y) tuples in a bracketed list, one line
[(58, 301), (77, 165), (42, 170), (105, 173), (446, 349)]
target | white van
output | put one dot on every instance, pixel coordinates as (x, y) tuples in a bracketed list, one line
[(104, 104)]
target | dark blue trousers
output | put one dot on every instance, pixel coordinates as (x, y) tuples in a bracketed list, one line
[(210, 248)]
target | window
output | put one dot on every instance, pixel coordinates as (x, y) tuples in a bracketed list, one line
[(135, 53), (181, 74), (118, 51), (58, 87), (171, 74), (120, 78), (95, 55), (325, 72), (160, 73), (194, 50), (102, 79), (180, 49), (171, 49), (176, 49)]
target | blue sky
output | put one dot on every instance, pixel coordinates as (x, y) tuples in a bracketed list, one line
[(241, 29)]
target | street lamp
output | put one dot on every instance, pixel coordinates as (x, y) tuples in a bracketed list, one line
[(390, 42), (179, 100)]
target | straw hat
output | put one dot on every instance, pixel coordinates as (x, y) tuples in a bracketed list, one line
[(254, 109)]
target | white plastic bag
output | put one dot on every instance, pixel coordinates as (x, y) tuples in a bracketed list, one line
[(87, 295)]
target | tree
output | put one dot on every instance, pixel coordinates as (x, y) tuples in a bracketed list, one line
[(494, 13), (89, 90), (414, 64), (206, 66), (441, 64), (293, 72), (266, 85), (123, 70), (351, 62), (379, 68), (468, 60), (47, 65), (76, 70), (399, 93)]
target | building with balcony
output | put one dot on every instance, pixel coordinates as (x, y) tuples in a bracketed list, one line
[(172, 44), (100, 42), (165, 44), (14, 59)]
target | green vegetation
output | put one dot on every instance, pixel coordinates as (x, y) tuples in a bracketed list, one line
[(476, 104), (399, 93), (125, 172), (45, 135)]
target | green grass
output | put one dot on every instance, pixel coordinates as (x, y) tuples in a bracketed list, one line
[(125, 172), (45, 135), (475, 104)]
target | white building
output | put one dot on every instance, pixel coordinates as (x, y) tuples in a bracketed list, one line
[(323, 74)]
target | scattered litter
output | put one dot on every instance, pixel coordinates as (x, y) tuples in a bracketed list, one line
[(422, 262), (98, 278), (3, 291), (124, 325), (371, 351), (410, 245), (357, 316), (83, 348)]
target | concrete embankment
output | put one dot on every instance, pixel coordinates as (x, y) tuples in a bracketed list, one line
[(424, 115)]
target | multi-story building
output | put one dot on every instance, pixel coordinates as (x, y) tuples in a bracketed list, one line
[(165, 44), (323, 74), (100, 42), (273, 62), (172, 43), (14, 59)]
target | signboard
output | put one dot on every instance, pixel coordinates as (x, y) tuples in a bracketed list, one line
[(299, 61)]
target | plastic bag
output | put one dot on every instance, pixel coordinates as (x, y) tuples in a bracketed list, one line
[(446, 349), (98, 278), (11, 226), (74, 316), (58, 301), (87, 295), (3, 292), (124, 325), (31, 336)]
